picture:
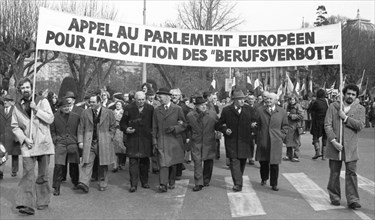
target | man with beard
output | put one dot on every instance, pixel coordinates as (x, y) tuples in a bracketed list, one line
[(351, 119), (136, 123), (235, 123), (36, 147), (167, 127)]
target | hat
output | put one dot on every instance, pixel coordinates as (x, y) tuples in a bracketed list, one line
[(69, 94), (238, 94), (199, 100), (118, 95), (8, 97), (64, 102), (163, 91), (150, 92)]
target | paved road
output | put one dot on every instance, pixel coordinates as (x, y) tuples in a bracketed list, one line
[(302, 194)]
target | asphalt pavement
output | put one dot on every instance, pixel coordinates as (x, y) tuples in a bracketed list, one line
[(302, 193)]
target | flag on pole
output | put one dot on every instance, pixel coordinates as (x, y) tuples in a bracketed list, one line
[(289, 85), (280, 90), (324, 85), (333, 85), (213, 83), (365, 89), (249, 85), (359, 82), (303, 87), (297, 87), (257, 83), (344, 80)]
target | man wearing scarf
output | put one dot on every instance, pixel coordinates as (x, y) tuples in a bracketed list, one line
[(36, 148)]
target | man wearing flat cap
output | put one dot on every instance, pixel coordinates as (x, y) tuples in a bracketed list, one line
[(201, 134), (70, 100), (235, 123), (64, 136), (168, 125)]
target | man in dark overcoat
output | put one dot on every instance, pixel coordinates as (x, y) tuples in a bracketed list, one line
[(71, 100), (7, 138), (96, 131), (167, 128), (318, 110), (64, 136), (201, 134), (272, 126), (235, 123), (136, 123)]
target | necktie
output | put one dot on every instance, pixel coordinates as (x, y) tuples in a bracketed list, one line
[(166, 107), (270, 110), (239, 110), (6, 111)]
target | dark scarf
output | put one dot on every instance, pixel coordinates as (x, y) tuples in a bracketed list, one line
[(26, 105)]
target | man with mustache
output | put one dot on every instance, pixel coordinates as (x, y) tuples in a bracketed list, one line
[(351, 119), (35, 148)]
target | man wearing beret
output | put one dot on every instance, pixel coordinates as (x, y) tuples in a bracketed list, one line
[(168, 125), (235, 123)]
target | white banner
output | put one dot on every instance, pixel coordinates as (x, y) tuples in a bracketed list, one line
[(70, 33)]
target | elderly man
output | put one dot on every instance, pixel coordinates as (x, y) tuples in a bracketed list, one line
[(168, 124), (202, 135), (64, 136), (235, 123), (36, 146), (72, 107), (96, 131), (272, 129), (136, 123), (351, 119), (176, 98)]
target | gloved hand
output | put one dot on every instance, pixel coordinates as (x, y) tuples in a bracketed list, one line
[(169, 130), (337, 145)]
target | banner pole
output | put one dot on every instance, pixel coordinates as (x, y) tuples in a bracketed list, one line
[(33, 92), (341, 96)]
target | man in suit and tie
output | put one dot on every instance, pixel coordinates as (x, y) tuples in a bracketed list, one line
[(7, 137), (168, 125), (235, 123), (96, 131), (272, 129)]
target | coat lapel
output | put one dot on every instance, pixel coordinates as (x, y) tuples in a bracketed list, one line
[(234, 110), (170, 110), (9, 115), (103, 116)]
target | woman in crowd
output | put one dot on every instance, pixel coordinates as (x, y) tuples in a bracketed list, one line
[(118, 141), (53, 101), (293, 139)]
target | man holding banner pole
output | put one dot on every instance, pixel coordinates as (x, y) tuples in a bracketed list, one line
[(30, 123), (342, 125)]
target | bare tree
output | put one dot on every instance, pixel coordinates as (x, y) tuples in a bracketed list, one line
[(208, 15), (18, 26), (200, 15), (84, 69)]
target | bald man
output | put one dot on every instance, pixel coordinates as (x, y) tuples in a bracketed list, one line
[(272, 128), (136, 123)]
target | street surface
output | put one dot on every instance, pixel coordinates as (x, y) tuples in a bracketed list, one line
[(302, 194)]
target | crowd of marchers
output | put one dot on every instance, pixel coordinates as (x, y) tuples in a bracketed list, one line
[(159, 131)]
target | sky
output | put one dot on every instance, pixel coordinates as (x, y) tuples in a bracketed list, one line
[(257, 15)]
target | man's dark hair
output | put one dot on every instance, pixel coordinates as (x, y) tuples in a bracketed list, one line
[(351, 87), (320, 94), (23, 81), (98, 98)]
